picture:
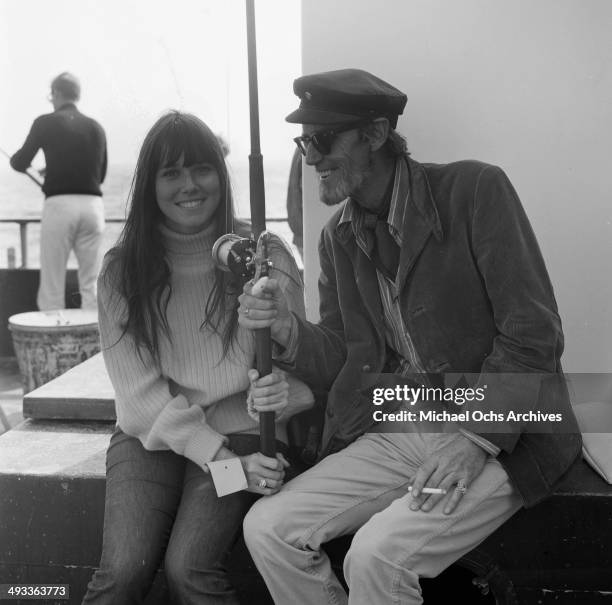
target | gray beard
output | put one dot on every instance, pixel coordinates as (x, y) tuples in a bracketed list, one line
[(346, 187)]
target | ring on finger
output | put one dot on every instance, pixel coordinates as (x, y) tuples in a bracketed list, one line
[(262, 483), (461, 486), (246, 311)]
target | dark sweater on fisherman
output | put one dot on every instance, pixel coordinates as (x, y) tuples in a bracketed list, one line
[(75, 151)]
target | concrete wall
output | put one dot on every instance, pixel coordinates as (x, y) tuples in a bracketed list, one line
[(522, 84)]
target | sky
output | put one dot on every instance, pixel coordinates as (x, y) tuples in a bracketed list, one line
[(136, 59)]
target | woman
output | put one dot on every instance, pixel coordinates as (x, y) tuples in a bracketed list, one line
[(179, 364)]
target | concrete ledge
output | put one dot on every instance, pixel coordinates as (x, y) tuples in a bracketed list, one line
[(52, 484), (562, 545), (52, 487), (82, 393), (63, 450)]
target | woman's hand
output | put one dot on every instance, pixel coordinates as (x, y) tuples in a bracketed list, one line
[(264, 475), (267, 394)]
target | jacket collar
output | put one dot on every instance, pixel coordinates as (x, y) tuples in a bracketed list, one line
[(413, 201), (422, 200), (353, 216), (411, 209), (421, 220)]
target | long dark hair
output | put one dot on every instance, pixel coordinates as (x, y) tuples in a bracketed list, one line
[(137, 265)]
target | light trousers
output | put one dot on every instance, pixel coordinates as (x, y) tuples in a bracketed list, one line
[(363, 489), (70, 222)]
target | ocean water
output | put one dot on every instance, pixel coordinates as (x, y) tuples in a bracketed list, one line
[(21, 198)]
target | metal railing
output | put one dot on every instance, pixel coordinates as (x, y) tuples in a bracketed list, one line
[(24, 222)]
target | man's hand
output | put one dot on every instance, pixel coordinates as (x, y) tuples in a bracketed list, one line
[(263, 305), (452, 466)]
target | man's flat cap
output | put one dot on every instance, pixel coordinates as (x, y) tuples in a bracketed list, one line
[(345, 95)]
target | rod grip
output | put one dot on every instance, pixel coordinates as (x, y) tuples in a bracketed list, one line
[(263, 352)]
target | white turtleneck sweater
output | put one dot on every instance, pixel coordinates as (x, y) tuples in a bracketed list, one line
[(194, 396)]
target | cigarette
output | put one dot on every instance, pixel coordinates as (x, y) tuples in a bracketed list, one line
[(429, 490)]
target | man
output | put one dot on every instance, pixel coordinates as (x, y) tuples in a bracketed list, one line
[(426, 270), (73, 213)]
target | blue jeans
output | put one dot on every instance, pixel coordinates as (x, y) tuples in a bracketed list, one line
[(162, 507)]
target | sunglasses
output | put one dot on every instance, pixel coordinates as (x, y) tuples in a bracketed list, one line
[(323, 140)]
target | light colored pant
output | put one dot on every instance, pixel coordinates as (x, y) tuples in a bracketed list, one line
[(70, 222), (363, 489)]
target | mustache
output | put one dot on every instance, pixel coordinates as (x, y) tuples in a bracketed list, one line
[(348, 185)]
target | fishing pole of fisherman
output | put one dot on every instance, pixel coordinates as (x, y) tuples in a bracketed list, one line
[(31, 176)]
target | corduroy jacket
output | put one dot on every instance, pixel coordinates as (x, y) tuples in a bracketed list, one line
[(475, 297)]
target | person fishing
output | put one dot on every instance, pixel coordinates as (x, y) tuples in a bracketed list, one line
[(186, 396), (76, 159)]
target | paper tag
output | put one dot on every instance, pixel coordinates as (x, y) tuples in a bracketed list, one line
[(228, 476)]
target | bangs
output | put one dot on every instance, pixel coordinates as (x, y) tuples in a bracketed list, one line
[(195, 142)]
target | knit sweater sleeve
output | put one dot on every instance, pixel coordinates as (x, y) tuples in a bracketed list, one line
[(145, 407)]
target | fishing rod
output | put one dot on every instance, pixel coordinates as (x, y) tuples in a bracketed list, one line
[(39, 183), (248, 258), (263, 341)]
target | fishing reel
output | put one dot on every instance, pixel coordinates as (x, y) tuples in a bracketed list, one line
[(248, 259), (244, 257)]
